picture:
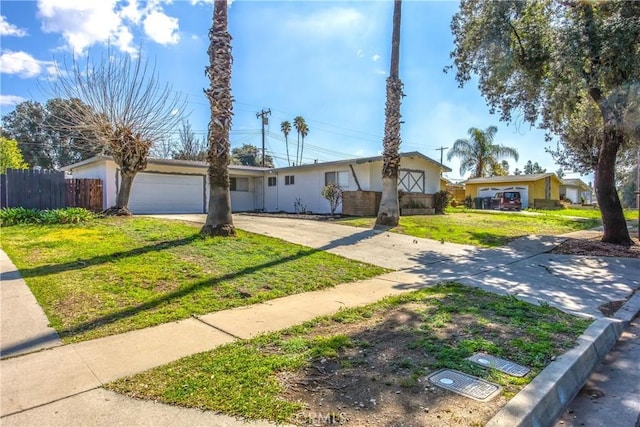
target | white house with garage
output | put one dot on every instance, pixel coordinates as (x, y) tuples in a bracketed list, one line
[(180, 186)]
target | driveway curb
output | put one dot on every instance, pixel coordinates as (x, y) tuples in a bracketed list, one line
[(545, 398)]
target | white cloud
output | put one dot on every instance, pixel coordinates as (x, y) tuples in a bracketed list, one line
[(84, 23), (9, 100), (131, 12), (7, 29), (359, 53), (22, 64), (161, 28), (375, 57)]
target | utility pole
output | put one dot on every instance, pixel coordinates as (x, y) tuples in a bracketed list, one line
[(441, 150), (264, 114)]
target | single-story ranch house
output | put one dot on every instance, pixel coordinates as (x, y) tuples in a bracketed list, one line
[(180, 186), (540, 190), (575, 190)]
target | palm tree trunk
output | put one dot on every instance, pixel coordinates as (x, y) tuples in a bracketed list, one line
[(389, 212), (219, 219), (286, 143)]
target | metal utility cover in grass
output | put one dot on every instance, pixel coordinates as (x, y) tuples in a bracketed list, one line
[(466, 385), (502, 365)]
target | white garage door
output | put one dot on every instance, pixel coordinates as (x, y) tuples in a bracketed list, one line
[(491, 191), (167, 193)]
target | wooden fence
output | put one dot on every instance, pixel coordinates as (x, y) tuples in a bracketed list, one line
[(84, 193), (35, 189)]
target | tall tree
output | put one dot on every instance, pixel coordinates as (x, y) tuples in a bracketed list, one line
[(478, 153), (219, 219), (10, 155), (389, 211), (285, 127), (298, 124), (570, 67), (560, 173), (128, 110), (499, 168), (532, 168), (26, 124), (250, 155), (304, 131), (43, 136), (189, 147)]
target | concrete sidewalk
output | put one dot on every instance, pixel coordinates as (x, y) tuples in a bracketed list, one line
[(46, 385), (25, 327)]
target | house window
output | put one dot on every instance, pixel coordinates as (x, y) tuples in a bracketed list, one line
[(289, 180), (271, 182), (239, 184), (341, 178)]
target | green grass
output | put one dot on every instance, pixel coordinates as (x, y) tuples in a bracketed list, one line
[(241, 379), (584, 212), (480, 228), (115, 275)]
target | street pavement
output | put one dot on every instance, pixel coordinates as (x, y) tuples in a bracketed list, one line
[(61, 385)]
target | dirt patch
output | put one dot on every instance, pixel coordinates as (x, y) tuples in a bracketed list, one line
[(594, 247), (381, 380)]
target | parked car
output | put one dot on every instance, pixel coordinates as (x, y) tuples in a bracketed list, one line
[(507, 200)]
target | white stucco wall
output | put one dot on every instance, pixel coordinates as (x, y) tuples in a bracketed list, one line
[(104, 170)]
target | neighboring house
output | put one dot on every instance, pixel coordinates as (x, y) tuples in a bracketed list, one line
[(180, 186), (574, 190), (455, 189), (537, 190)]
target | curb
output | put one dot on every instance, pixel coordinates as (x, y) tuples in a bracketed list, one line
[(545, 398)]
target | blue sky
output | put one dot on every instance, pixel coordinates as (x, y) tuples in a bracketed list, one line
[(326, 61)]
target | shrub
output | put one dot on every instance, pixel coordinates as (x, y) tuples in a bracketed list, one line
[(440, 201), (333, 193), (468, 202), (15, 216)]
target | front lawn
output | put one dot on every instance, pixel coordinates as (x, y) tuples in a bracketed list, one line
[(119, 274), (584, 212), (480, 228), (367, 365)]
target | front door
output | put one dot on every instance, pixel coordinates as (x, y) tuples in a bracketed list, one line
[(258, 193)]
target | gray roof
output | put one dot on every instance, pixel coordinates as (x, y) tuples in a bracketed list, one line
[(574, 182), (197, 164), (362, 160)]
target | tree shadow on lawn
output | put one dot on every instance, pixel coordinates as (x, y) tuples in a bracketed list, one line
[(160, 300), (180, 293), (79, 264)]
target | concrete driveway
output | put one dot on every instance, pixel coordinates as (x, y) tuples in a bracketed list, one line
[(574, 284)]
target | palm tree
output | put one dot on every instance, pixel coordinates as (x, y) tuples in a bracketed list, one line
[(389, 212), (304, 131), (298, 123), (219, 220), (478, 152), (285, 127)]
